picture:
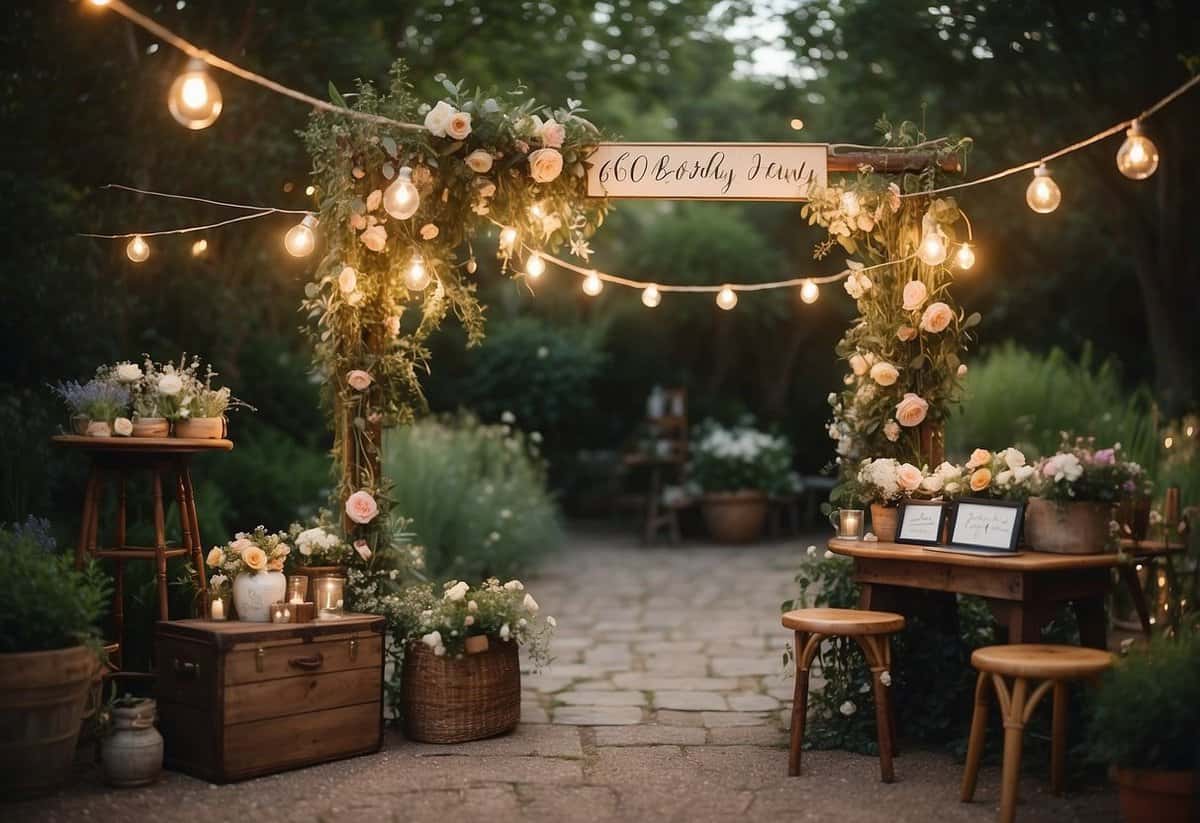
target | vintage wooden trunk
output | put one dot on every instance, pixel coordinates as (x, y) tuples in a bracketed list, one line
[(239, 700)]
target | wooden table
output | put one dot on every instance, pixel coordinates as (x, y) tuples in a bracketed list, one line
[(1023, 591), (113, 459)]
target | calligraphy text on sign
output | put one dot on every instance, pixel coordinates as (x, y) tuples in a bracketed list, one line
[(706, 171)]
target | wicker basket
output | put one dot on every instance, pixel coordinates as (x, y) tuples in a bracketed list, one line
[(454, 701)]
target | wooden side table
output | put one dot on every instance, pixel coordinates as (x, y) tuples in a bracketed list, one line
[(165, 459)]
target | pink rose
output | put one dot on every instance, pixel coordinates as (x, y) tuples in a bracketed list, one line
[(911, 410), (858, 364), (358, 379), (545, 165), (909, 477), (937, 317), (914, 295), (553, 134), (459, 126), (361, 507), (374, 238), (885, 374), (905, 333), (429, 231), (479, 161), (364, 550)]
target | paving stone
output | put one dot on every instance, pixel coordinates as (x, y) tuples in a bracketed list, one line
[(677, 665), (747, 735), (597, 715), (715, 720), (578, 697), (673, 718), (669, 647), (739, 666), (650, 735), (593, 685), (690, 701), (544, 682), (752, 702), (644, 681)]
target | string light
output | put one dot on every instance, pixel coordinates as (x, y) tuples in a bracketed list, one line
[(137, 249), (797, 124), (300, 239), (809, 292), (933, 250), (535, 266), (592, 285), (401, 199), (964, 258), (1137, 158), (199, 247), (651, 296), (727, 298), (1043, 195), (195, 99), (101, 3), (416, 278), (508, 238), (310, 190)]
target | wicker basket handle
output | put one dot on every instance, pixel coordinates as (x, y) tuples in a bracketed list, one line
[(308, 663)]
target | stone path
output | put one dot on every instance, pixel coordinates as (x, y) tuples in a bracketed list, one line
[(666, 702)]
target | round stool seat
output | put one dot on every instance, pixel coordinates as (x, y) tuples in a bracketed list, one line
[(845, 622), (1041, 661)]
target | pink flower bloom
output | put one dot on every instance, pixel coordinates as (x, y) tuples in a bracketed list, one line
[(364, 551), (361, 507), (358, 379), (911, 410)]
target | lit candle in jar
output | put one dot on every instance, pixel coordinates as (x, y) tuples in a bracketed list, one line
[(217, 609), (329, 597), (848, 523), (280, 613), (297, 588)]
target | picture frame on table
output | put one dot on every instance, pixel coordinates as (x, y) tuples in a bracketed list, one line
[(920, 522), (984, 523)]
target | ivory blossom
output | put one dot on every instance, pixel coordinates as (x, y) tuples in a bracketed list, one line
[(914, 295)]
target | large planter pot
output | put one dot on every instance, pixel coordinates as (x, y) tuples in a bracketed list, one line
[(735, 517), (201, 428), (452, 701), (151, 427), (1151, 796), (132, 754), (883, 521), (42, 698), (1067, 528), (253, 595)]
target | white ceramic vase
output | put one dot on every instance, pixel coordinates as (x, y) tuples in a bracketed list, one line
[(133, 753), (253, 595)]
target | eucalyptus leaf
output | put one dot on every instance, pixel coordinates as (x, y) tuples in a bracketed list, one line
[(389, 145), (973, 320)]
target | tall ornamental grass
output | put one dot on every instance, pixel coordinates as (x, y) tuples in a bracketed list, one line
[(476, 494)]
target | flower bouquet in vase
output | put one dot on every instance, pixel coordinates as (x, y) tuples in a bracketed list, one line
[(254, 562), (885, 482)]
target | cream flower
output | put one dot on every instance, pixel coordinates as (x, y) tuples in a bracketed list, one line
[(374, 199), (885, 678), (911, 410), (361, 507), (937, 317), (374, 238), (275, 565), (358, 379), (214, 558), (472, 606), (908, 477), (980, 479), (891, 430), (123, 427), (932, 484), (459, 125), (437, 119), (392, 324), (545, 165), (514, 586), (358, 222), (552, 134), (978, 458), (170, 385), (129, 372), (962, 370), (347, 279), (479, 161), (255, 558), (914, 295), (847, 708), (1013, 458), (456, 592), (429, 231), (858, 364), (530, 604), (885, 374)]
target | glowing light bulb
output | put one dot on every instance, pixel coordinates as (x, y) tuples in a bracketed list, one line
[(199, 248), (727, 298), (301, 239), (536, 210), (137, 249), (592, 285), (195, 99), (508, 238), (932, 250), (809, 292), (965, 257), (1168, 441), (535, 266), (1043, 195), (1137, 158), (416, 278), (651, 296), (101, 2), (797, 124), (310, 190), (401, 199)]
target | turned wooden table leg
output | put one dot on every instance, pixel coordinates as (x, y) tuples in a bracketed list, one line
[(85, 519), (800, 646), (975, 743), (160, 541)]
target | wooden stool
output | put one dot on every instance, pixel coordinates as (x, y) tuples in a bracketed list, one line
[(871, 630), (114, 459), (1054, 666)]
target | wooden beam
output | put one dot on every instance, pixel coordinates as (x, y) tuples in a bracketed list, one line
[(883, 160)]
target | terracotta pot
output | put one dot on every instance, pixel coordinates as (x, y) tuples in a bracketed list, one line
[(201, 428), (42, 698), (735, 517), (884, 520), (133, 753), (1154, 796), (151, 427), (1067, 528), (99, 428)]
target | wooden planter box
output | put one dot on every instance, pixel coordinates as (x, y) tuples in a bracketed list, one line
[(239, 700)]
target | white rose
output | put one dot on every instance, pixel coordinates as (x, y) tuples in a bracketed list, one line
[(848, 708), (457, 592), (933, 483), (505, 632), (885, 678), (438, 118), (891, 430), (514, 585), (122, 426), (129, 372), (1004, 477), (1013, 458), (170, 385), (1023, 473)]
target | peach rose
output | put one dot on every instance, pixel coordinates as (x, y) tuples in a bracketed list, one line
[(914, 295), (240, 545), (358, 222), (980, 479), (374, 238), (552, 134), (858, 364), (908, 477), (361, 507), (979, 457), (479, 161), (545, 165), (429, 231), (215, 557), (347, 279), (374, 199), (358, 379), (911, 410), (937, 317), (459, 125), (255, 558), (906, 333), (885, 374), (275, 565)]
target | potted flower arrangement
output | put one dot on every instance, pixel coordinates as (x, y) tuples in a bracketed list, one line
[(883, 482), (321, 550), (1076, 491), (254, 562), (197, 409), (737, 469), (461, 677), (149, 420), (1144, 726), (49, 653), (96, 406)]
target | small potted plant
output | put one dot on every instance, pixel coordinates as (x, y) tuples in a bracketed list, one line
[(149, 418), (254, 562), (201, 408), (49, 654), (1145, 726), (884, 482), (95, 405), (737, 470), (461, 676), (321, 551), (132, 751)]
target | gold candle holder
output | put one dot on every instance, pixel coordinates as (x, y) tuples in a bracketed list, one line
[(297, 588), (848, 523), (281, 612)]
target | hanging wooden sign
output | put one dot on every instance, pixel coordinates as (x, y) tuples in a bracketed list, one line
[(706, 171)]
